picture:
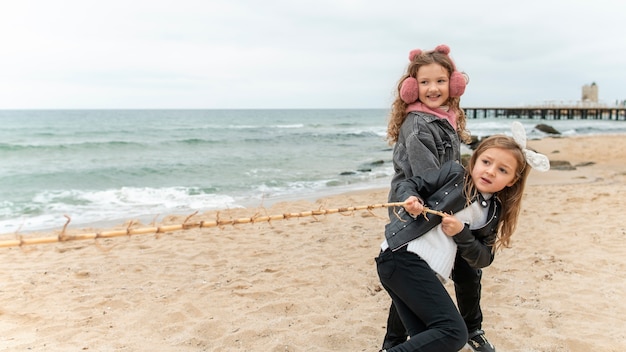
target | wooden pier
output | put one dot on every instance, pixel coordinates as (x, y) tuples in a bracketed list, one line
[(614, 113)]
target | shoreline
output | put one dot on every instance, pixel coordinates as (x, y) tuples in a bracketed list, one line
[(546, 145)]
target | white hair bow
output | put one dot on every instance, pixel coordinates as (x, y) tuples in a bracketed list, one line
[(537, 161)]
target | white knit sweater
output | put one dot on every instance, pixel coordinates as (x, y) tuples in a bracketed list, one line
[(439, 250)]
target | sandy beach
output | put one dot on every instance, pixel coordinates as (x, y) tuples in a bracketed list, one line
[(310, 283)]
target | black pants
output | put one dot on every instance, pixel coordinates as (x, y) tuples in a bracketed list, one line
[(422, 303), (467, 289)]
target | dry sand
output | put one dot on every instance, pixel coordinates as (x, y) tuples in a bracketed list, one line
[(310, 284)]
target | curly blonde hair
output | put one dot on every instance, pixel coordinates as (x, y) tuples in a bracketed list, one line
[(398, 108)]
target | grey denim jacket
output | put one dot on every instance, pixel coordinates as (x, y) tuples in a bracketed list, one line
[(424, 142)]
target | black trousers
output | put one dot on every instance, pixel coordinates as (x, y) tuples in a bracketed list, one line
[(467, 289), (426, 310)]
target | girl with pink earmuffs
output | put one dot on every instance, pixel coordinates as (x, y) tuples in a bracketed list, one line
[(426, 128)]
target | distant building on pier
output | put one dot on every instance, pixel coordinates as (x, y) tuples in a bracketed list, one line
[(590, 93), (588, 108)]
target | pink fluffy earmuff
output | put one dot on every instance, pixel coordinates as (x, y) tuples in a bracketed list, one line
[(409, 90)]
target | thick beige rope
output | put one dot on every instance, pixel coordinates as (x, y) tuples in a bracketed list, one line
[(63, 237)]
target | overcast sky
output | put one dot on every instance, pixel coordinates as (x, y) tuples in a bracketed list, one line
[(228, 54)]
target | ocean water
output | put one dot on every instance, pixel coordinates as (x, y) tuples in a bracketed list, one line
[(108, 166)]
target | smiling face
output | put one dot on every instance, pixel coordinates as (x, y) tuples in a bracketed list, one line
[(495, 169), (434, 85)]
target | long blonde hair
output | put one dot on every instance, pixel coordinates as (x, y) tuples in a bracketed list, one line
[(398, 108), (510, 197)]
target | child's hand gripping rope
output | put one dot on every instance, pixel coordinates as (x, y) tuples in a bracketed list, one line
[(415, 206)]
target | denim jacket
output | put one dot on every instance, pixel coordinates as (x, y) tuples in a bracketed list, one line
[(442, 190), (424, 142)]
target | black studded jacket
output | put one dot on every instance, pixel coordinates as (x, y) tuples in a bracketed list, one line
[(442, 190)]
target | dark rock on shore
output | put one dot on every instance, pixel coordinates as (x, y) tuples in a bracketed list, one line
[(474, 142), (547, 129), (561, 165), (364, 168), (540, 127)]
